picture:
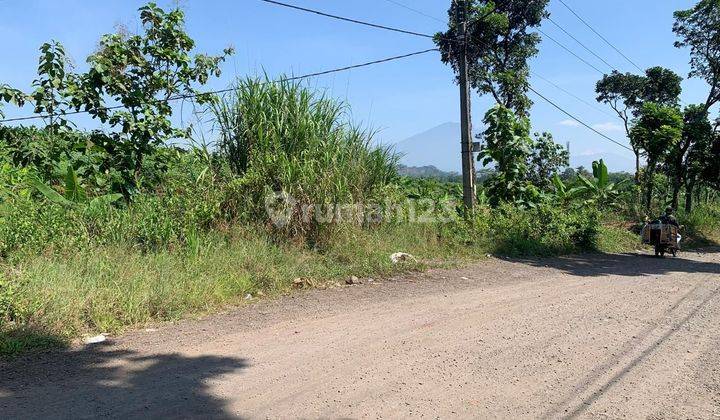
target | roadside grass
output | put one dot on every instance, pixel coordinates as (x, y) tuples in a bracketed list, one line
[(109, 289), (702, 226), (616, 239)]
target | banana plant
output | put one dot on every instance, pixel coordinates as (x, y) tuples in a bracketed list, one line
[(74, 195), (600, 190), (562, 192)]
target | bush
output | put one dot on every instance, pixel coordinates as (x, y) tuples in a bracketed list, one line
[(703, 224), (544, 230)]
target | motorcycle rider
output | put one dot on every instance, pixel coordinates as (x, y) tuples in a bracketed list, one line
[(669, 219)]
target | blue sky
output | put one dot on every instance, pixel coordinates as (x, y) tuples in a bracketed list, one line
[(401, 98)]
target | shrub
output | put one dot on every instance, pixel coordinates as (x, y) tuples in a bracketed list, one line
[(543, 230)]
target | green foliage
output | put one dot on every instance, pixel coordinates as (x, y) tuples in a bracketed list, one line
[(75, 194), (562, 193), (627, 93), (10, 95), (283, 137), (656, 132), (7, 301), (711, 170), (48, 97), (689, 156), (141, 73), (508, 146), (599, 191), (699, 29), (546, 160), (499, 46), (544, 230), (702, 224)]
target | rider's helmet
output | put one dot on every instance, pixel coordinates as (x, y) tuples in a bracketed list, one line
[(669, 211)]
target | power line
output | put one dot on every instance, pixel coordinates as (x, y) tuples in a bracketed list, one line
[(572, 94), (582, 45), (586, 125), (359, 22), (599, 35), (420, 12), (570, 51), (194, 95)]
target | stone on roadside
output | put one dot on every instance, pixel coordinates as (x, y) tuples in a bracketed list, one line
[(353, 280), (96, 339), (399, 257)]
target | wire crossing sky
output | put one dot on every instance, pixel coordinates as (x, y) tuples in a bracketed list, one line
[(401, 98)]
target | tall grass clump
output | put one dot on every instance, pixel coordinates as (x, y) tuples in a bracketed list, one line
[(285, 137)]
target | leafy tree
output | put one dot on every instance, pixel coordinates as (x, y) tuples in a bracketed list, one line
[(507, 145), (703, 162), (711, 171), (141, 73), (498, 46), (49, 95), (626, 93), (662, 86), (685, 160), (699, 29), (547, 159), (655, 133)]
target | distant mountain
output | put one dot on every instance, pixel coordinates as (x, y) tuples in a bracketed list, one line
[(440, 147), (428, 172)]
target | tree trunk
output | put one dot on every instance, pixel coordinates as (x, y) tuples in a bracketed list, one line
[(648, 190), (689, 196), (676, 193), (637, 167)]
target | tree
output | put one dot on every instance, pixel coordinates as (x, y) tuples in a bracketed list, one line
[(699, 29), (498, 46), (662, 86), (626, 93), (547, 159), (711, 171), (686, 159), (507, 145), (703, 161), (655, 133), (142, 74), (49, 96)]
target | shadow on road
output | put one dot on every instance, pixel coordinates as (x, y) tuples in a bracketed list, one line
[(598, 265), (100, 382)]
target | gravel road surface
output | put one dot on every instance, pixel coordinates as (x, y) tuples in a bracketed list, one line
[(592, 336)]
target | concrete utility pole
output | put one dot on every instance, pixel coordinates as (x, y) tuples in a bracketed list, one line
[(468, 158)]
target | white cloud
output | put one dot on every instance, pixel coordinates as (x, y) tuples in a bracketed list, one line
[(608, 126), (590, 152), (569, 123)]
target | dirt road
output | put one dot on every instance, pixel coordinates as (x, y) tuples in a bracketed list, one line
[(602, 336)]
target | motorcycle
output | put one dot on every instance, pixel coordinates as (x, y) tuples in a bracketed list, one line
[(663, 237)]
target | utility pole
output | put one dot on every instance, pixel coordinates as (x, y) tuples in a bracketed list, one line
[(468, 159)]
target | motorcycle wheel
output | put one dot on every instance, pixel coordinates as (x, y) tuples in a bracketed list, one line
[(660, 251)]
